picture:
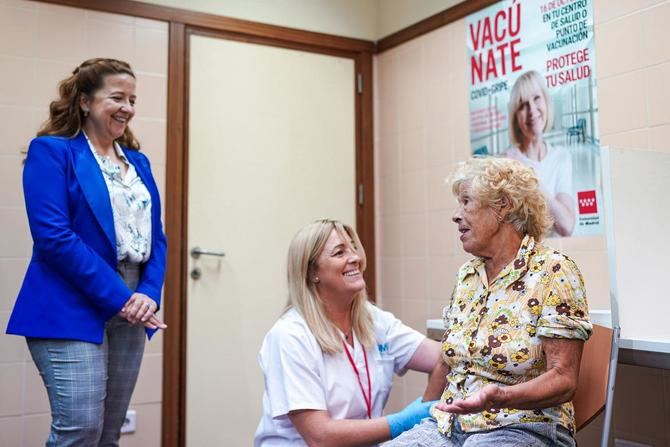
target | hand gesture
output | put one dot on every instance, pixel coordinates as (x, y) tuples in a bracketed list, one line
[(140, 309), (485, 399)]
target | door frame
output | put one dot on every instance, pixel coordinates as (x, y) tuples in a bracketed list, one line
[(175, 372)]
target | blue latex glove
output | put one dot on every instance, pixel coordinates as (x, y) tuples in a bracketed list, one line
[(409, 416)]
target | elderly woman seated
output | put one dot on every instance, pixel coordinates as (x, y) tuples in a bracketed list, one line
[(516, 324)]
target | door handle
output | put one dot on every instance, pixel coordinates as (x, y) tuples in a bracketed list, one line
[(197, 251)]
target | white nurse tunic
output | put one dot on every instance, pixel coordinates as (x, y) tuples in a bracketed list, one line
[(299, 376)]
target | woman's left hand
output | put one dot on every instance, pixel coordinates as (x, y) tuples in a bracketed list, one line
[(155, 323), (138, 309), (488, 397)]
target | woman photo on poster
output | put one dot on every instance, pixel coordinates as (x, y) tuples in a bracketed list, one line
[(531, 114)]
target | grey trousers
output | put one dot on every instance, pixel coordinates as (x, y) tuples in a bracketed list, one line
[(90, 385), (536, 434)]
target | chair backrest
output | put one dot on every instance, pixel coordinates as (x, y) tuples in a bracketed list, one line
[(581, 123), (591, 394)]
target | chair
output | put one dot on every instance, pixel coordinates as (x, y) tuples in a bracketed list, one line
[(597, 373), (578, 130)]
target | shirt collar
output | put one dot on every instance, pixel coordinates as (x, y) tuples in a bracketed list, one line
[(120, 153), (117, 149), (515, 268)]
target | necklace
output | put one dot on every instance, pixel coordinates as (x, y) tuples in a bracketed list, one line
[(116, 166)]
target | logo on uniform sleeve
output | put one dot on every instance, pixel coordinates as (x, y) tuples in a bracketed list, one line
[(383, 348), (587, 202)]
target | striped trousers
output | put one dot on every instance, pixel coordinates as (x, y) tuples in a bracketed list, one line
[(90, 385)]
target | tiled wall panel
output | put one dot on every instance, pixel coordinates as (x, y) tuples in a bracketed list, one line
[(41, 44), (421, 132)]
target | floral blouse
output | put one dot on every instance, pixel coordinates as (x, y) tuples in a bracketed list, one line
[(493, 332), (131, 207)]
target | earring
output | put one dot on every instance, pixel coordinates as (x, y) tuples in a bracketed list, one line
[(85, 113), (316, 280)]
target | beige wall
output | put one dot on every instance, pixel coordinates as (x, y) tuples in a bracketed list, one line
[(350, 18), (361, 19), (394, 15), (421, 131), (39, 45)]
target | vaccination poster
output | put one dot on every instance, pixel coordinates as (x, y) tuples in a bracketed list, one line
[(532, 87)]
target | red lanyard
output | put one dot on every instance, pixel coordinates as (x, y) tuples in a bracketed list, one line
[(368, 398)]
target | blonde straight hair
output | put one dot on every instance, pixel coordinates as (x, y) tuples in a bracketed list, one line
[(303, 252), (523, 90)]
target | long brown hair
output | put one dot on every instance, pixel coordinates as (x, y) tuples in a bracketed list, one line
[(65, 115)]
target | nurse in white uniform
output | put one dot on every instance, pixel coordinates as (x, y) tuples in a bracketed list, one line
[(328, 362)]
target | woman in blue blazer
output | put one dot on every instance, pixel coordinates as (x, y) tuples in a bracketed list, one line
[(94, 281)]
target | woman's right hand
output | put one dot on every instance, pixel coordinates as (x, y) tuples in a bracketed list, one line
[(152, 323), (137, 310), (409, 416), (485, 399), (562, 209)]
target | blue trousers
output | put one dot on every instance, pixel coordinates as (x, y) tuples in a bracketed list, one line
[(533, 434), (90, 385)]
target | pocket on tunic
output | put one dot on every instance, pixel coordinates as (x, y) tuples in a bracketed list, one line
[(385, 366)]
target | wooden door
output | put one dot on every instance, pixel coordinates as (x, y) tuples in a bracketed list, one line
[(271, 148)]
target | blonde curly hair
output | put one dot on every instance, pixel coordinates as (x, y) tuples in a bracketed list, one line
[(496, 182)]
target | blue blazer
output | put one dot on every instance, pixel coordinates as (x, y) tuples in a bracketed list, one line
[(71, 287)]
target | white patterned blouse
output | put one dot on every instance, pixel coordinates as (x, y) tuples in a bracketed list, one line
[(131, 207)]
